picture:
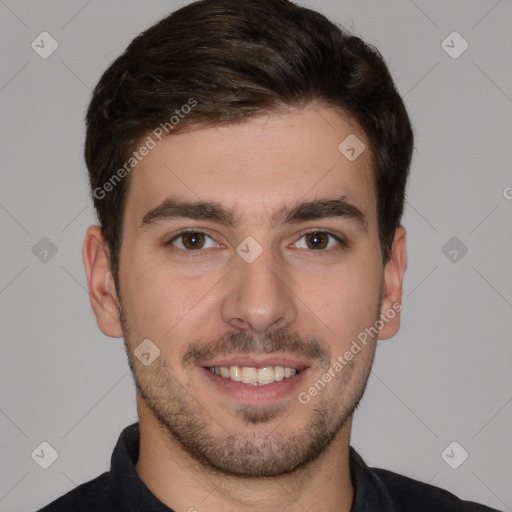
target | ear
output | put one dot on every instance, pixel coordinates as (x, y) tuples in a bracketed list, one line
[(394, 271), (100, 283)]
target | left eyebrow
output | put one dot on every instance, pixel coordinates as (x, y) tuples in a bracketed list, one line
[(173, 208), (319, 209)]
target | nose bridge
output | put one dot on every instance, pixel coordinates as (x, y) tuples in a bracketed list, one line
[(257, 296)]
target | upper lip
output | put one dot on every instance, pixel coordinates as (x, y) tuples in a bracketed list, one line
[(257, 361)]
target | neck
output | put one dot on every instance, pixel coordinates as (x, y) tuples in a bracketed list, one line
[(182, 483)]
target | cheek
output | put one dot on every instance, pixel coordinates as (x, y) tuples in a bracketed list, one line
[(161, 301), (346, 299)]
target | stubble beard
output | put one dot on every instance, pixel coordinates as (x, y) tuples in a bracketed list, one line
[(262, 453)]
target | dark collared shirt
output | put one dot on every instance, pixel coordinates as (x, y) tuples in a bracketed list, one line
[(375, 490)]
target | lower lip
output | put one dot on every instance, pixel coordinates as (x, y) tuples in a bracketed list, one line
[(250, 394)]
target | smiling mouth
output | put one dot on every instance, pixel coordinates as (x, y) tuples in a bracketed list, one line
[(254, 376)]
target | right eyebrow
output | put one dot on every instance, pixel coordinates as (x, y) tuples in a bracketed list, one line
[(200, 210)]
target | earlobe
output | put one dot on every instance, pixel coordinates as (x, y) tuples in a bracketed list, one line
[(394, 271), (100, 283)]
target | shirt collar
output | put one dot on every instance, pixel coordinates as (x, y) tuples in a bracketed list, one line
[(369, 490), (129, 490), (133, 495)]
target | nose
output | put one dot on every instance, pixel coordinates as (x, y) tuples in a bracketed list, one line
[(259, 296)]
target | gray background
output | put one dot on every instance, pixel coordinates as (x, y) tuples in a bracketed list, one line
[(445, 377)]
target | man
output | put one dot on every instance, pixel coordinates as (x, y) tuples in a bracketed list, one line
[(248, 163)]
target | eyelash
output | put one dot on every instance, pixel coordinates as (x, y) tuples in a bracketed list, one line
[(199, 252)]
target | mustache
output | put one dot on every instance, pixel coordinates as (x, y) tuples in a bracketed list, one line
[(245, 342)]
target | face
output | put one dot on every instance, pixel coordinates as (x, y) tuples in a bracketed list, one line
[(251, 261)]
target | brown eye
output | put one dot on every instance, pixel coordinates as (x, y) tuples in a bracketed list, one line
[(193, 240), (317, 240)]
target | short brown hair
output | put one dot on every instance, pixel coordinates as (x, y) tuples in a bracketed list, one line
[(237, 58)]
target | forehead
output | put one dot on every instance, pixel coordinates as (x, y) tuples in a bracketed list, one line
[(259, 166)]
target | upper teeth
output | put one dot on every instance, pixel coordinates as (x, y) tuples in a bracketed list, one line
[(254, 376)]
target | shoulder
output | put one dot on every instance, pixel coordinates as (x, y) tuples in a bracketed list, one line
[(409, 494), (95, 495)]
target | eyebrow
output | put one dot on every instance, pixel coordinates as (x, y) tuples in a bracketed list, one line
[(172, 208)]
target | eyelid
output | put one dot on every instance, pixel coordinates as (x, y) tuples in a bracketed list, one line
[(182, 232), (337, 236)]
